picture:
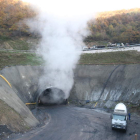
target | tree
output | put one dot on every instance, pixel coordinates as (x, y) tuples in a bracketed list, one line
[(119, 26), (11, 12)]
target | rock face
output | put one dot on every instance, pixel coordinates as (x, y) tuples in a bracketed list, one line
[(107, 84)]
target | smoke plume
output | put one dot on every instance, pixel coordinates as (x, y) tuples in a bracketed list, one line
[(60, 45)]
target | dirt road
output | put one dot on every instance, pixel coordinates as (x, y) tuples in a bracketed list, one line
[(74, 123)]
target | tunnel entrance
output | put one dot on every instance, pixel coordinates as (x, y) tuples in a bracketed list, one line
[(51, 96)]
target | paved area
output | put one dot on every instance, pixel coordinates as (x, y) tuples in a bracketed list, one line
[(74, 123)]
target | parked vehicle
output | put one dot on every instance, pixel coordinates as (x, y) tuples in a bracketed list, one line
[(85, 48), (118, 44), (115, 44), (119, 117)]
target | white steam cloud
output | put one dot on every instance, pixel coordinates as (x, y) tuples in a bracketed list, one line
[(62, 24), (60, 46)]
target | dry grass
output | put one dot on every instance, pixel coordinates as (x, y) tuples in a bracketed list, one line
[(122, 57), (17, 58)]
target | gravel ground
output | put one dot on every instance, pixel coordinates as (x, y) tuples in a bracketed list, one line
[(75, 123)]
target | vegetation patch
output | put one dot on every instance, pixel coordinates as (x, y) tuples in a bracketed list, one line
[(108, 58), (120, 57), (17, 58), (18, 43)]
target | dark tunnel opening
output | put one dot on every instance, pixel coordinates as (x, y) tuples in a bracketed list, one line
[(51, 96)]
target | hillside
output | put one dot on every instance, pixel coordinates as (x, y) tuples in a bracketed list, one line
[(12, 13), (115, 26)]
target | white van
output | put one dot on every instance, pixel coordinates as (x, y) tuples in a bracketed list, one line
[(119, 117)]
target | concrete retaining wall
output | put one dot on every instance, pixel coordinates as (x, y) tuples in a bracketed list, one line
[(107, 84), (24, 82)]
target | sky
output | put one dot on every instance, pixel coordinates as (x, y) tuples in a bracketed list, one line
[(82, 7)]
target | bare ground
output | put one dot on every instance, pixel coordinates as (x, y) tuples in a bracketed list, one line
[(70, 122)]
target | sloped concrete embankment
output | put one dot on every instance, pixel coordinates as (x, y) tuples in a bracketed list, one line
[(107, 84), (24, 82)]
